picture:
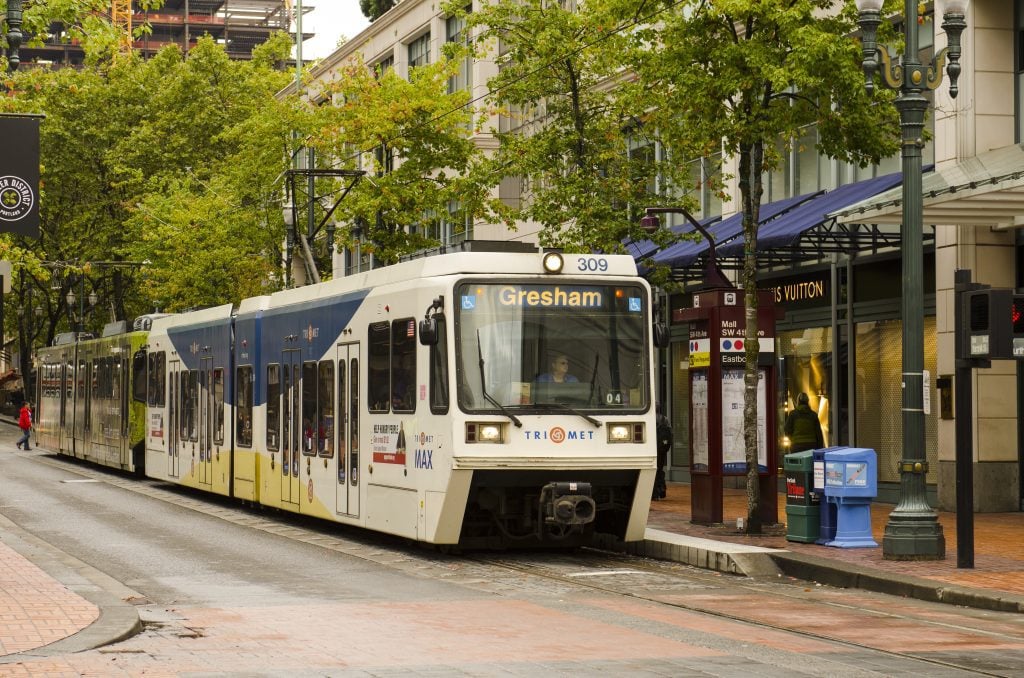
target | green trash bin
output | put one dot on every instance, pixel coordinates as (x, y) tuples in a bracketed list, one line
[(803, 511)]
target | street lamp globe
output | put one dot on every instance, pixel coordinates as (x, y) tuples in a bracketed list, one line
[(955, 7), (71, 298), (869, 5), (93, 298)]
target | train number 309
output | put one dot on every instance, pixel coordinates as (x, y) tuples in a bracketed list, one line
[(593, 264)]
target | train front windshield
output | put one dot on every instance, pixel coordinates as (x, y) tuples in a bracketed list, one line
[(532, 347)]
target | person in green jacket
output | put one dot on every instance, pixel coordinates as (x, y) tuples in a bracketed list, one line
[(802, 427)]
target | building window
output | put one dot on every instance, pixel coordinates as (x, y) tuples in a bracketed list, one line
[(455, 31), (419, 51), (383, 66)]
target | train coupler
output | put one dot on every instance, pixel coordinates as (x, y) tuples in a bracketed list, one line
[(567, 503)]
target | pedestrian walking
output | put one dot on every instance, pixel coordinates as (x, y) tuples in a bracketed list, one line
[(802, 427), (25, 424), (663, 435)]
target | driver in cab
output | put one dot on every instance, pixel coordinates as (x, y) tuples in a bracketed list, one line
[(558, 372)]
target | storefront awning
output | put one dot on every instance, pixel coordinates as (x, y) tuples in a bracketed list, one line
[(785, 231), (685, 253), (986, 190), (642, 249)]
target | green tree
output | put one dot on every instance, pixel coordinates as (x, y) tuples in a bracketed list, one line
[(744, 75), (375, 9), (206, 159), (412, 139), (568, 131)]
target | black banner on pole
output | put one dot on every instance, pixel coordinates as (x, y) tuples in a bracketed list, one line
[(19, 175)]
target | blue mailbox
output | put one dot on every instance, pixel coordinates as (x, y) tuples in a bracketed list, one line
[(851, 482)]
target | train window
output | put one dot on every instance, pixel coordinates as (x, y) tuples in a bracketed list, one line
[(439, 370), (100, 378), (510, 340), (353, 426), (403, 365), (218, 406), (243, 405), (139, 382), (157, 376), (189, 405), (378, 367), (325, 406), (310, 421), (273, 407), (342, 409), (115, 378)]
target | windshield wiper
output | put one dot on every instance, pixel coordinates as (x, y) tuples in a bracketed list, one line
[(573, 410), (483, 386)]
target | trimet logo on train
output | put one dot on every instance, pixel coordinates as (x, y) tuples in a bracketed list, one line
[(16, 198), (559, 435)]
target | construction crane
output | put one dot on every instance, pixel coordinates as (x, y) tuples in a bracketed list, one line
[(121, 18)]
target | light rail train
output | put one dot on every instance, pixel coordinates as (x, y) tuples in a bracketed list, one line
[(415, 399)]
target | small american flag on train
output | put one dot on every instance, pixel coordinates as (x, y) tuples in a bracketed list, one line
[(410, 330)]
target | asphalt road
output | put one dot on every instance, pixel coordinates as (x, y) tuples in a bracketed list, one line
[(226, 590)]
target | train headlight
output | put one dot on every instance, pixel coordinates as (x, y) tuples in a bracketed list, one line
[(626, 433), (484, 433), (553, 262)]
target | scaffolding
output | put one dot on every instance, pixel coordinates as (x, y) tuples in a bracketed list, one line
[(239, 25)]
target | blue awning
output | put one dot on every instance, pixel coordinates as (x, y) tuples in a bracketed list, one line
[(641, 249), (686, 252), (786, 230)]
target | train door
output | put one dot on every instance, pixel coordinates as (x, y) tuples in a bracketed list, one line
[(173, 416), (291, 388), (122, 384), (67, 380), (348, 429), (205, 406)]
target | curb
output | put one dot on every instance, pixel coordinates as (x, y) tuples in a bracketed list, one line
[(118, 619), (824, 571), (726, 557)]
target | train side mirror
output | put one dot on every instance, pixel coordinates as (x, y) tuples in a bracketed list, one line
[(428, 326), (661, 335), (428, 331)]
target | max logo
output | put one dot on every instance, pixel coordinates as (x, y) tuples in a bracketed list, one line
[(424, 459)]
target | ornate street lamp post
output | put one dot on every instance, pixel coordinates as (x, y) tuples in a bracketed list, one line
[(913, 531), (13, 34)]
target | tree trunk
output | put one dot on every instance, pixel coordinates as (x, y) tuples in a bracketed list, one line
[(751, 162)]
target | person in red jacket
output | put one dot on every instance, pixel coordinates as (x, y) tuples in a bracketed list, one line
[(25, 424)]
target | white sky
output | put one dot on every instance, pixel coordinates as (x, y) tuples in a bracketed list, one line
[(330, 19)]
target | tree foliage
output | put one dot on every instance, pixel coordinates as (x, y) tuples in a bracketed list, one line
[(375, 9), (568, 126), (744, 75), (411, 137), (153, 161)]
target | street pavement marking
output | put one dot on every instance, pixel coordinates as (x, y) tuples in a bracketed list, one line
[(603, 573)]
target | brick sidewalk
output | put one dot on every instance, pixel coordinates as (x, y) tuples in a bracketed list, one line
[(35, 609), (998, 541)]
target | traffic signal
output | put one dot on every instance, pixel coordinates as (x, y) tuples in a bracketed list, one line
[(991, 318), (1017, 326)]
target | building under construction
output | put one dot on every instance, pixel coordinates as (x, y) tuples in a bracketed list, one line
[(240, 25)]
